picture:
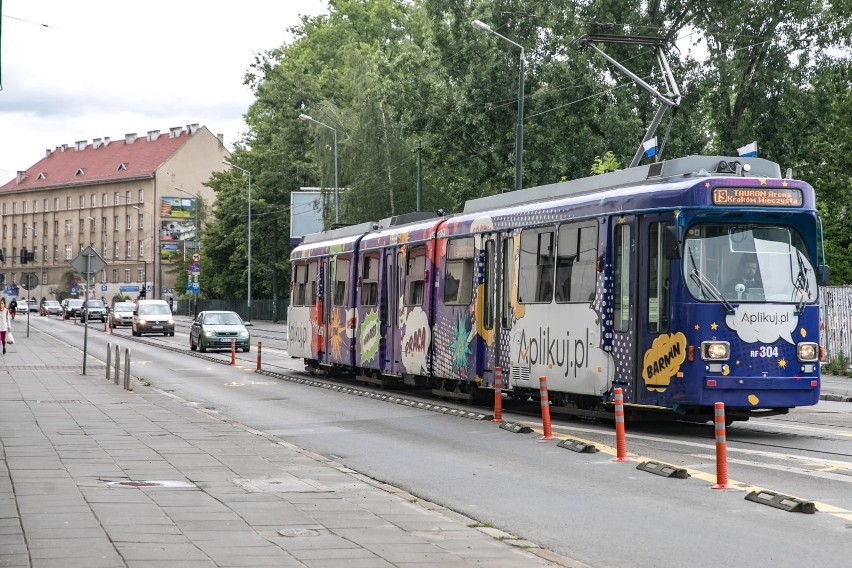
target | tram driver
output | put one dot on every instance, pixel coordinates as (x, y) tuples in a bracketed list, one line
[(748, 283)]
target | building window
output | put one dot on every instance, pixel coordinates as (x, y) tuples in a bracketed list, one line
[(56, 204), (82, 225), (46, 202), (93, 225), (104, 225), (14, 207), (103, 276), (26, 231), (44, 228), (127, 275), (56, 228), (82, 202), (35, 205), (14, 230), (129, 223), (116, 250), (5, 229), (68, 203), (141, 196), (115, 222), (44, 277), (24, 205), (128, 247), (55, 253), (115, 275), (104, 250), (141, 248), (128, 197), (141, 221), (115, 199), (140, 274), (94, 200), (68, 251), (5, 208), (105, 199)]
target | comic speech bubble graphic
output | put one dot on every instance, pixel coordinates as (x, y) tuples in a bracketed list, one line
[(764, 323), (663, 360)]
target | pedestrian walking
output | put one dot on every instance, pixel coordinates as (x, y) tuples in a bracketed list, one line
[(5, 324)]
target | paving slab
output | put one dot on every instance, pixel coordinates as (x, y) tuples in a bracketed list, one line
[(223, 495)]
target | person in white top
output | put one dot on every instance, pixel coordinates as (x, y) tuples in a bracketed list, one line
[(5, 323)]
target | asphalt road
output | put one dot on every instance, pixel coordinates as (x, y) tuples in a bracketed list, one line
[(586, 506)]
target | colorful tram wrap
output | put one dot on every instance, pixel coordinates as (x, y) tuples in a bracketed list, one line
[(628, 279)]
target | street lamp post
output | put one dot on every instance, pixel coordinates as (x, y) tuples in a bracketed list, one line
[(248, 292), (144, 260), (336, 186), (519, 132)]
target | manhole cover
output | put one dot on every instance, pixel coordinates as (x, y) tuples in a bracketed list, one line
[(298, 532), (151, 484)]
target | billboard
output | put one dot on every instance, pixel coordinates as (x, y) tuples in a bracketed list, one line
[(183, 207), (177, 230), (306, 213)]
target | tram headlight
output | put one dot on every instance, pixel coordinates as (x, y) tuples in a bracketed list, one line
[(807, 352), (715, 350)]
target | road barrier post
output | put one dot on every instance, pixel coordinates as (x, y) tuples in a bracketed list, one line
[(233, 351), (721, 447), (127, 369), (117, 364), (545, 408), (259, 346), (498, 395), (108, 359), (620, 442)]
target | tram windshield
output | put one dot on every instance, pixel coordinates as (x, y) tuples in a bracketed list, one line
[(748, 263)]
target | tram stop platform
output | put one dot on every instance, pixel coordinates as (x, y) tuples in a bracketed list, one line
[(95, 476)]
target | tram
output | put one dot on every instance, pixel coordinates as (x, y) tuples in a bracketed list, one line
[(630, 279)]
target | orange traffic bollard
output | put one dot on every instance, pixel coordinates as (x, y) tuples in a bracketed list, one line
[(105, 325), (498, 395), (721, 447), (233, 351), (259, 346), (545, 408), (620, 442)]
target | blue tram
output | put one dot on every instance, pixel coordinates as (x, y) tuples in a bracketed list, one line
[(684, 282)]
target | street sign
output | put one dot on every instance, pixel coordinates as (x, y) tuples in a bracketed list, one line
[(88, 262), (29, 280), (196, 257)]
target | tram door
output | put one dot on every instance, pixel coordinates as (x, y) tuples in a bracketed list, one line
[(625, 306), (658, 349), (488, 308), (326, 295), (390, 312)]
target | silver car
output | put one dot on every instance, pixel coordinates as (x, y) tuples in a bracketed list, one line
[(121, 314)]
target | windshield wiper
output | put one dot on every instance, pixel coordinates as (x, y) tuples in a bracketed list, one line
[(802, 284), (705, 284)]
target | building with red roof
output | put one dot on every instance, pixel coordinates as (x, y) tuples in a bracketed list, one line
[(133, 200)]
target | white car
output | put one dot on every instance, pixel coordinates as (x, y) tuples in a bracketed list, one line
[(23, 308), (121, 314)]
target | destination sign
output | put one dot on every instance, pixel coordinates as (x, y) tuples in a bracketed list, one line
[(764, 196)]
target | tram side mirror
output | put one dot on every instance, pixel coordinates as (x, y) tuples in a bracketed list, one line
[(671, 246), (822, 275)]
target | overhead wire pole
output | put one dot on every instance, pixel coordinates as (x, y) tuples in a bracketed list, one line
[(248, 291)]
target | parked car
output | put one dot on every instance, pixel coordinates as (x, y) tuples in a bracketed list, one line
[(94, 310), (152, 316), (121, 314), (216, 329), (72, 308), (23, 308), (51, 308)]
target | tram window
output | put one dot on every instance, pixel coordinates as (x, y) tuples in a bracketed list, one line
[(576, 262), (312, 281), (621, 277), (341, 279), (490, 286), (535, 271), (458, 277), (658, 279), (370, 281), (415, 275), (300, 283)]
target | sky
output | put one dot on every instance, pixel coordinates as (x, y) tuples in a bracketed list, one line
[(96, 68)]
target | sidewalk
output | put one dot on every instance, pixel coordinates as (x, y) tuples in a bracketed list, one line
[(199, 491)]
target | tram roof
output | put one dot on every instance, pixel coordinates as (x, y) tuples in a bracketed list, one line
[(694, 167)]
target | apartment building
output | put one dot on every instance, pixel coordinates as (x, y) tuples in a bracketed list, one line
[(133, 200)]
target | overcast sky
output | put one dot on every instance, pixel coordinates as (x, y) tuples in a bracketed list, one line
[(94, 68)]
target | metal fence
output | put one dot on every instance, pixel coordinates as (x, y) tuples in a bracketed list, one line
[(836, 321), (270, 310)]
